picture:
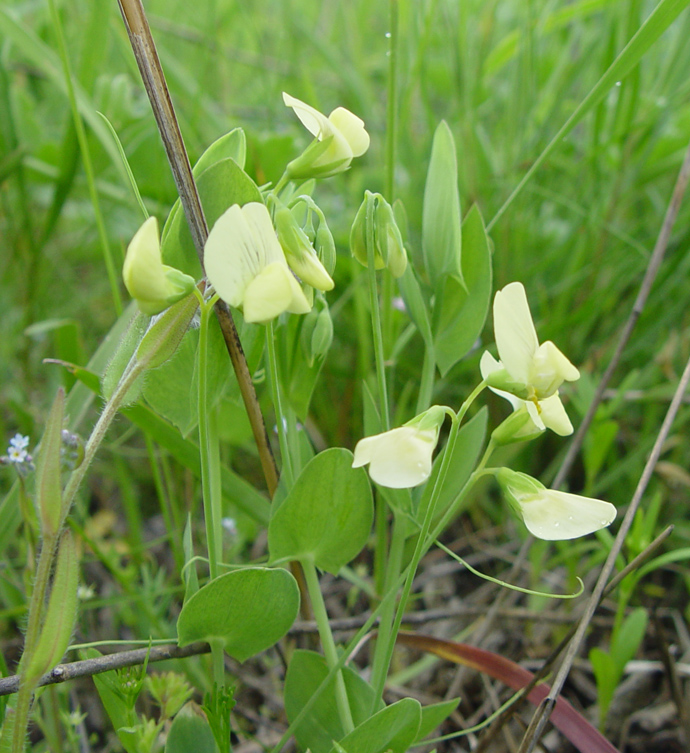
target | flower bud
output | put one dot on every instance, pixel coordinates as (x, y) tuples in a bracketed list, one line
[(389, 250), (340, 138), (299, 253), (153, 285), (317, 331), (325, 246), (518, 427)]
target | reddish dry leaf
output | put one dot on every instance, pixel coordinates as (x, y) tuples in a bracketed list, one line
[(564, 717)]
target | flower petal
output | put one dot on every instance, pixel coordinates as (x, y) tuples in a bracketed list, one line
[(314, 121), (398, 459), (273, 291), (554, 416), (352, 129), (550, 368), (231, 255), (489, 365), (516, 337), (557, 516), (535, 414), (153, 285), (310, 270)]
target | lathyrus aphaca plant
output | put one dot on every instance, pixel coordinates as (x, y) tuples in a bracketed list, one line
[(271, 257)]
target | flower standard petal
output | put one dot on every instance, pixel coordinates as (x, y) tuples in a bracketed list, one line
[(314, 121), (516, 338), (548, 413), (247, 267), (341, 135), (231, 255)]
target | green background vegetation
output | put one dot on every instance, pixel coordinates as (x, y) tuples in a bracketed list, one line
[(504, 75)]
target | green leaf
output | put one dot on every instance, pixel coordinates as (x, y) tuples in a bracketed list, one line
[(233, 145), (326, 518), (441, 233), (392, 729), (124, 353), (598, 442), (220, 186), (656, 24), (460, 309), (468, 446), (60, 615), (321, 724), (434, 715), (172, 389), (303, 373), (190, 731), (45, 60), (48, 478), (627, 639), (415, 303), (247, 610), (607, 676)]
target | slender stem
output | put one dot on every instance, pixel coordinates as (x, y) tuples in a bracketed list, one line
[(426, 386), (452, 510), (392, 100), (86, 159), (329, 650), (284, 178), (38, 596), (281, 419), (389, 176), (420, 547), (36, 610), (153, 78), (424, 542), (376, 315), (385, 636), (205, 449), (99, 430)]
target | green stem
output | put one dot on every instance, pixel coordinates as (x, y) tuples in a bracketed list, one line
[(86, 157), (328, 644), (389, 175), (385, 637), (208, 449), (392, 100), (423, 541), (426, 387), (274, 378), (376, 315), (36, 609), (45, 561), (110, 409), (284, 178)]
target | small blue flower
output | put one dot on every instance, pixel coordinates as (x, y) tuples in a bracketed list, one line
[(18, 456)]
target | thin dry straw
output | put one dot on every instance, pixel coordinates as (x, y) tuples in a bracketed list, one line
[(543, 712), (653, 266), (645, 288), (153, 77)]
